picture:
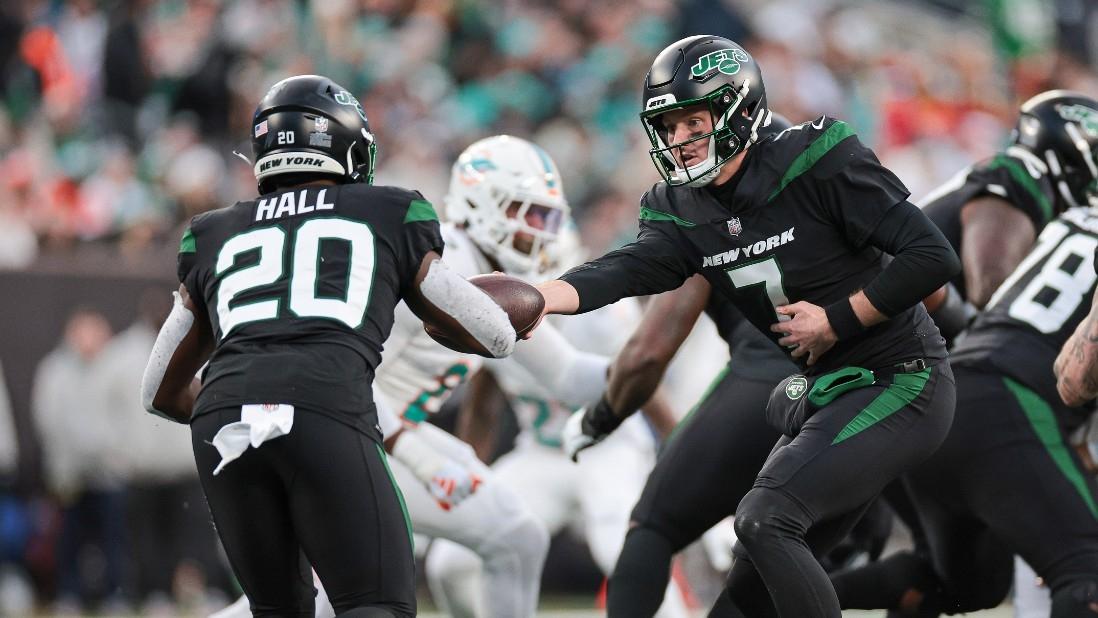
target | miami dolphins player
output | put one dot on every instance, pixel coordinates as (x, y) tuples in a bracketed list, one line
[(598, 493)]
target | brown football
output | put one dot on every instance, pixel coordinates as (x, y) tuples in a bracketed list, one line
[(521, 301)]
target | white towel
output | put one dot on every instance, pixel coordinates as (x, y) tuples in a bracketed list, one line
[(258, 423)]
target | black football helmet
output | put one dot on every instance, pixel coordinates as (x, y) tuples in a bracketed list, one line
[(1060, 128), (308, 125), (714, 72)]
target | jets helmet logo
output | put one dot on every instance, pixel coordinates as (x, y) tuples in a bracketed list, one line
[(1085, 116), (726, 61), (345, 98)]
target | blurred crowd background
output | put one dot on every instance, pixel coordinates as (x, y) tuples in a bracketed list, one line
[(119, 121)]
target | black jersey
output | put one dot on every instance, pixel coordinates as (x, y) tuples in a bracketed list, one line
[(299, 287), (1011, 175), (1038, 307), (754, 356), (796, 227)]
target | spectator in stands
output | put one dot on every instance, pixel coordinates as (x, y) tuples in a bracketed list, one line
[(83, 460)]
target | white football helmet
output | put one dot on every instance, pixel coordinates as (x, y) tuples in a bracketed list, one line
[(507, 193)]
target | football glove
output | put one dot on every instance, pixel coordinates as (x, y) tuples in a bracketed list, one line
[(588, 426), (452, 483)]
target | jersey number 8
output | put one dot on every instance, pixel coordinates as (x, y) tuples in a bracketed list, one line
[(304, 302), (1067, 271)]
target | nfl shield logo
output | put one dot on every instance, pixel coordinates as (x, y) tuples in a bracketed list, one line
[(734, 227), (320, 124)]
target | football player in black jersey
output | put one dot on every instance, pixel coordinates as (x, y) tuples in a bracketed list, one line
[(290, 297), (991, 213), (791, 228), (711, 459)]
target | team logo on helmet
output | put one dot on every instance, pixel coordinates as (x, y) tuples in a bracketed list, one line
[(726, 61), (734, 226), (345, 98), (796, 387), (1085, 116)]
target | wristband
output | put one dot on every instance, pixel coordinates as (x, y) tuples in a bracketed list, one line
[(600, 420), (843, 320)]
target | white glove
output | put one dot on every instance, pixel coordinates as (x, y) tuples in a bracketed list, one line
[(452, 483), (588, 426), (448, 481), (572, 437)]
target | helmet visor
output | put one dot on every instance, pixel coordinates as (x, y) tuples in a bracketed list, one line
[(532, 225)]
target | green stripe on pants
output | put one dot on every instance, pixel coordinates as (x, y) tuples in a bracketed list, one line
[(1043, 420), (400, 496), (904, 389)]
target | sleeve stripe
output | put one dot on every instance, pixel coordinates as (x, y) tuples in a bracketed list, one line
[(186, 245), (830, 138), (420, 210), (648, 214), (1022, 177)]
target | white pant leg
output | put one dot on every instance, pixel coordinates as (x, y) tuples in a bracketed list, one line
[(1030, 600), (493, 523), (612, 475), (543, 481)]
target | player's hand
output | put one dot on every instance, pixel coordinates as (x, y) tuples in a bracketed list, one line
[(807, 332), (588, 426), (452, 483), (573, 437)]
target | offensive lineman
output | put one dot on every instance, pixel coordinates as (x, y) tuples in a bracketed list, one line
[(1006, 476), (293, 294), (991, 213), (791, 228)]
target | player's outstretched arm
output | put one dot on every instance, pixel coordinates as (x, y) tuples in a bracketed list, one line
[(444, 299), (185, 342), (1076, 366), (641, 363)]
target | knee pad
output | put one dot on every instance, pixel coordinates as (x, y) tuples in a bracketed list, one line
[(1078, 599), (765, 512)]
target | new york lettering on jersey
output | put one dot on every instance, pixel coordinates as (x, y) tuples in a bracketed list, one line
[(1016, 176), (1037, 308), (304, 279), (782, 230)]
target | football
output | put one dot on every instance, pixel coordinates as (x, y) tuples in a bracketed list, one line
[(521, 301)]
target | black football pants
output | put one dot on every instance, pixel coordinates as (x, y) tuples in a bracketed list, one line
[(709, 463), (325, 490), (814, 487), (1004, 481)]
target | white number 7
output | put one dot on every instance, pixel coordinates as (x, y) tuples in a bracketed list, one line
[(767, 273)]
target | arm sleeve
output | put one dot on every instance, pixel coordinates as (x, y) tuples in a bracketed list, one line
[(923, 259), (576, 377), (652, 264)]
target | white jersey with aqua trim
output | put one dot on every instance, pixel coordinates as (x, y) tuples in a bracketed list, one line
[(417, 374), (541, 413)]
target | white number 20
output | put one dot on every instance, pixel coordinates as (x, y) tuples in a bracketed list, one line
[(304, 302)]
